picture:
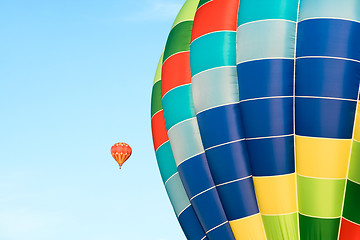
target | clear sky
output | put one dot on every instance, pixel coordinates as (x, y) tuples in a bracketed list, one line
[(75, 78)]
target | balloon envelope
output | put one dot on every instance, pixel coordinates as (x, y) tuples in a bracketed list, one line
[(121, 152)]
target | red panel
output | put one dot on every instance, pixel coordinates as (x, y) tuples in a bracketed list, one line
[(349, 230), (158, 128), (217, 15), (175, 72)]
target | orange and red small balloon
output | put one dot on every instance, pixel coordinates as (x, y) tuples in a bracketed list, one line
[(121, 152)]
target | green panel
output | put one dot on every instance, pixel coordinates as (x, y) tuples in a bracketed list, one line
[(179, 39), (187, 12), (281, 227), (166, 161), (156, 98), (318, 228), (354, 168), (352, 202), (158, 69), (202, 2), (250, 10), (320, 197), (178, 105)]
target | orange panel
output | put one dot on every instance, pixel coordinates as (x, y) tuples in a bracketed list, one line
[(217, 15), (158, 128), (175, 72)]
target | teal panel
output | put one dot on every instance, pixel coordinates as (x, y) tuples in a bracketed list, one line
[(213, 50), (268, 39), (251, 10), (348, 9), (166, 161), (176, 192), (178, 105), (185, 140), (215, 87)]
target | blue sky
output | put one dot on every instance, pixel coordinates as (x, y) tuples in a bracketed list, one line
[(75, 78)]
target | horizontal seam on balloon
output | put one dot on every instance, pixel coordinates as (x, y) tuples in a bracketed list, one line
[(239, 140), (307, 215), (174, 55), (327, 138), (356, 140), (213, 187), (189, 119), (358, 183), (174, 89), (187, 159), (333, 18), (323, 178), (237, 180), (233, 31), (351, 221), (183, 210), (229, 66), (203, 5), (262, 98), (329, 98), (274, 176), (216, 227), (275, 136), (156, 113), (170, 178), (161, 145), (185, 20), (203, 237), (330, 57), (266, 20), (252, 215), (222, 105), (265, 58), (280, 214)]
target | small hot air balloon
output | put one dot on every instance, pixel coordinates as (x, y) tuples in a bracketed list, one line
[(121, 152)]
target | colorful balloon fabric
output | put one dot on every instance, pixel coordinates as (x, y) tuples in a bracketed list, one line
[(121, 152), (255, 119)]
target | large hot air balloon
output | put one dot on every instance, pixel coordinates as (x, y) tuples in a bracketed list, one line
[(255, 119), (121, 152)]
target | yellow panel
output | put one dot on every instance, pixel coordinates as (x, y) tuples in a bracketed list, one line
[(248, 228), (322, 157), (276, 194), (357, 124)]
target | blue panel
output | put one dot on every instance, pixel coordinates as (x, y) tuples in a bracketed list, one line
[(220, 125), (324, 118), (213, 50), (218, 233), (265, 39), (329, 37), (327, 78), (238, 199), (265, 78), (267, 117), (228, 162), (191, 225), (178, 105), (348, 9), (210, 212), (272, 156), (195, 175)]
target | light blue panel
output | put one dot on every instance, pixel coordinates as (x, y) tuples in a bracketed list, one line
[(166, 161), (213, 50), (185, 140), (178, 105), (215, 87), (266, 39), (348, 9), (177, 194)]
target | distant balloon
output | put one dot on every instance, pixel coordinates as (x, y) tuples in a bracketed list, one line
[(121, 152)]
